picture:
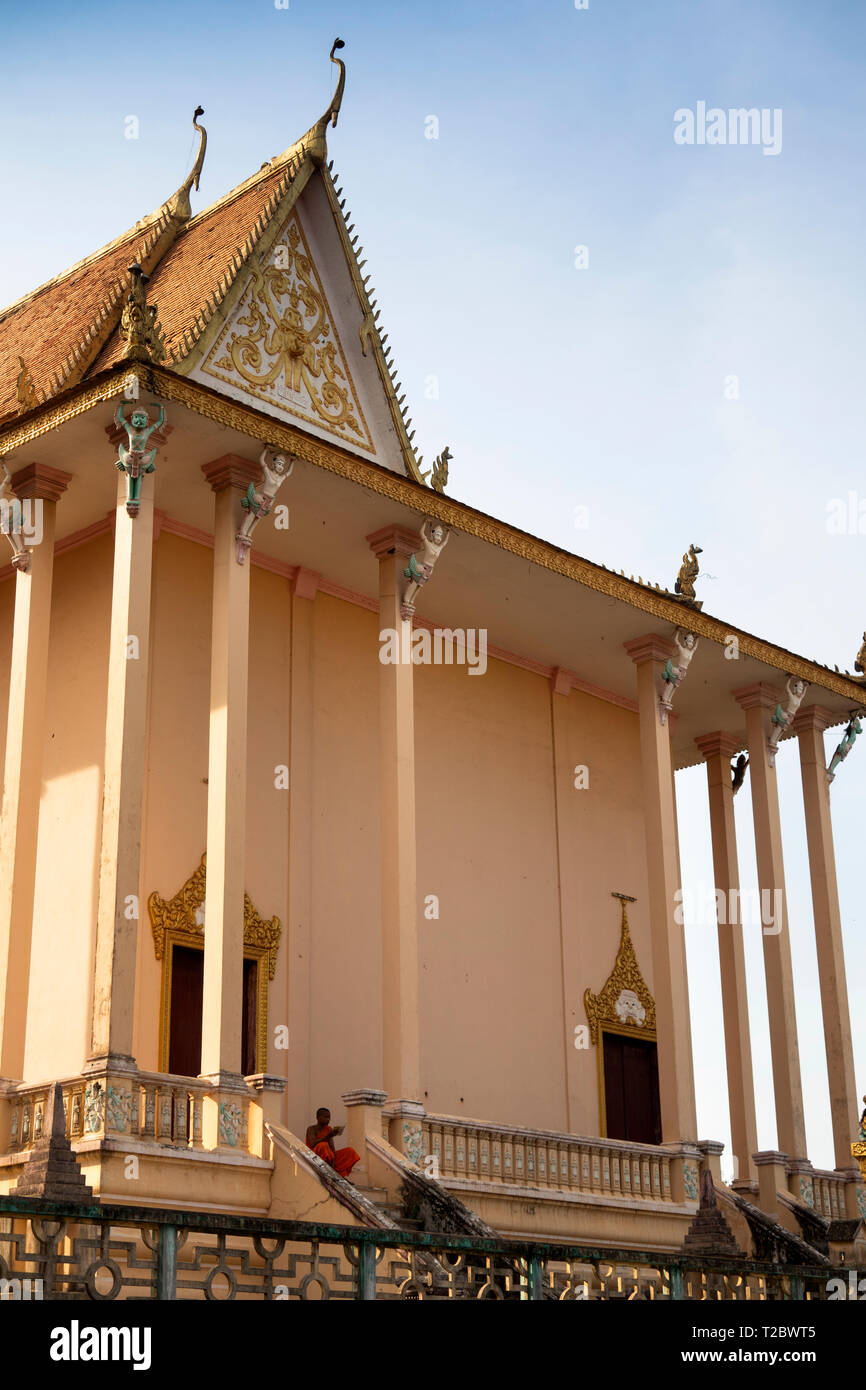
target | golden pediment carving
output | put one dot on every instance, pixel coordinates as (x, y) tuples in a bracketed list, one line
[(183, 916), (281, 343), (625, 1001)]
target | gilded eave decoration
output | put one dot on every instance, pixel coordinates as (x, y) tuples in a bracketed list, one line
[(183, 917), (248, 420), (624, 1002)]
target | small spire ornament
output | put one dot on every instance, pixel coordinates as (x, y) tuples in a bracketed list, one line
[(139, 327)]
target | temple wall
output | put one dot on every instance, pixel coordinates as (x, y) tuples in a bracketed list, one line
[(345, 972), (487, 846), (603, 851), (498, 850), (67, 864)]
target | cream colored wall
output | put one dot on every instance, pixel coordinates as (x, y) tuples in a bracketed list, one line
[(491, 1013), (67, 879), (346, 965), (497, 1034), (603, 851), (175, 806)]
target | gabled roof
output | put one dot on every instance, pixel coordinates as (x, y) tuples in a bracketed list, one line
[(58, 329), (197, 271), (69, 328)]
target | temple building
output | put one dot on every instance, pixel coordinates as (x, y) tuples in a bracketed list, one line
[(322, 788)]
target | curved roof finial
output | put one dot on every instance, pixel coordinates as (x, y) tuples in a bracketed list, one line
[(314, 144), (333, 110), (180, 205)]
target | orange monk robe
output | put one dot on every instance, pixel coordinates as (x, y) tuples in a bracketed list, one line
[(341, 1160)]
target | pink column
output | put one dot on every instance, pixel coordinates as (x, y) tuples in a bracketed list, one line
[(123, 784), (38, 486), (401, 1044), (228, 476), (718, 749), (304, 589), (759, 701), (670, 983), (809, 725)]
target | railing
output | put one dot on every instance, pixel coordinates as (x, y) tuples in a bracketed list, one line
[(144, 1105), (541, 1158), (828, 1194), (56, 1250)]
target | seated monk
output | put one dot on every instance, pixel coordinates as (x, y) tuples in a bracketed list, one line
[(320, 1137)]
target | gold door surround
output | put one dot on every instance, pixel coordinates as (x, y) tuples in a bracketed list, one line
[(623, 1006), (179, 921)]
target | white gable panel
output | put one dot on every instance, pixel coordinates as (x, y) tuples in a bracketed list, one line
[(291, 344)]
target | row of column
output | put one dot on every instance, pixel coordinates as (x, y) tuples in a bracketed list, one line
[(120, 850), (676, 1081), (120, 888), (120, 882)]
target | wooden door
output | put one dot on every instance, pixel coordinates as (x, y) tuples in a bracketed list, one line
[(184, 1029), (250, 1016), (631, 1089)]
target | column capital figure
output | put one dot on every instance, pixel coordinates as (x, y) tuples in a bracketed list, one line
[(419, 571), (782, 717), (258, 499), (136, 456)]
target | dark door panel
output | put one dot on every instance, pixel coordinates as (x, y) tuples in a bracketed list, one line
[(184, 1036), (631, 1089)]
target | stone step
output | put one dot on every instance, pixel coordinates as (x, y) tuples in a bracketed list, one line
[(396, 1214), (379, 1195)]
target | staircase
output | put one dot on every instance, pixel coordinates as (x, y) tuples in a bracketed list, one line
[(390, 1208)]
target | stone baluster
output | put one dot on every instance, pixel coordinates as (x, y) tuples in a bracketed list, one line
[(448, 1164)]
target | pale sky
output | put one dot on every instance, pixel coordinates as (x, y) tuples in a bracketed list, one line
[(558, 387)]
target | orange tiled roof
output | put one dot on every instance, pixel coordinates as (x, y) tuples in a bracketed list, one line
[(51, 323), (198, 269), (69, 328)]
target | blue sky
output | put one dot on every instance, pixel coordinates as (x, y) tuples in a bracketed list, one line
[(559, 387)]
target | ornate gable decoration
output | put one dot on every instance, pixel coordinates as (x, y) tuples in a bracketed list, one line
[(625, 1000), (281, 344), (183, 917)]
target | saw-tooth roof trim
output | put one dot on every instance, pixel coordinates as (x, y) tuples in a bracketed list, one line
[(369, 328)]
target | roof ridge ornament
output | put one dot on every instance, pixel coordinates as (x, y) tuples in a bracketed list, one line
[(139, 327), (438, 474), (179, 205), (314, 143), (333, 110), (684, 587), (25, 388)]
